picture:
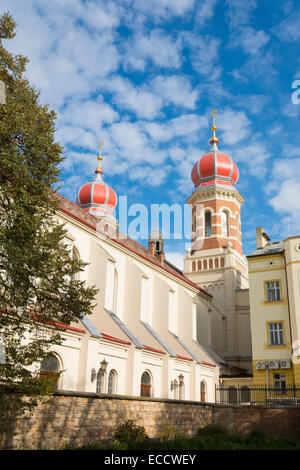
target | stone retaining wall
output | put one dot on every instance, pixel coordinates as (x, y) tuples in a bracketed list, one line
[(78, 418)]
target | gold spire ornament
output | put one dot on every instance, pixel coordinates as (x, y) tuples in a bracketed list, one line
[(214, 139), (99, 158)]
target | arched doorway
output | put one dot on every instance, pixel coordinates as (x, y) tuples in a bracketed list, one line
[(202, 391), (146, 385), (50, 369)]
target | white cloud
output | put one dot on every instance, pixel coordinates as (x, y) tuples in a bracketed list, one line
[(148, 175), (254, 156), (250, 40), (205, 11), (283, 192), (287, 197), (162, 9), (65, 58), (88, 114), (176, 90), (204, 53), (157, 47), (288, 30), (186, 125), (235, 126), (239, 11), (253, 103)]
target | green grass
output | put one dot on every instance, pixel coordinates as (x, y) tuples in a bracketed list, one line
[(209, 438)]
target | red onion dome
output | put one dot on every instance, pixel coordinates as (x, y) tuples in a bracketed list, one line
[(96, 197), (215, 168)]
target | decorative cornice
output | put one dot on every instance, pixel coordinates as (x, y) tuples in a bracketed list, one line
[(214, 193)]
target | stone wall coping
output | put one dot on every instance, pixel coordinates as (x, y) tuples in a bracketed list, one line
[(105, 396)]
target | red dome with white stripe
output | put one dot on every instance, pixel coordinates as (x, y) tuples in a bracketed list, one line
[(96, 197), (215, 168)]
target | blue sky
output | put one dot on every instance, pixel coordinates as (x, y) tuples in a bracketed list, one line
[(144, 76)]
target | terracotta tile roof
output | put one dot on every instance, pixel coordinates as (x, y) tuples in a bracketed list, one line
[(68, 207)]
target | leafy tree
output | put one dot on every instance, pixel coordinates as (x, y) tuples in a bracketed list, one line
[(37, 286)]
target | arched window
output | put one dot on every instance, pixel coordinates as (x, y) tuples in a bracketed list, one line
[(194, 266), (207, 219), (146, 385), (237, 226), (202, 391), (199, 265), (50, 368), (225, 224), (205, 264), (112, 382), (222, 262), (210, 264), (216, 263), (100, 386)]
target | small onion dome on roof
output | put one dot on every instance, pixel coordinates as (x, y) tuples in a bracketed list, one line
[(96, 197), (214, 168)]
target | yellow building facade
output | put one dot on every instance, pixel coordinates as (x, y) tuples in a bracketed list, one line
[(274, 290)]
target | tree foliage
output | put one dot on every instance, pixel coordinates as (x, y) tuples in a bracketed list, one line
[(37, 286)]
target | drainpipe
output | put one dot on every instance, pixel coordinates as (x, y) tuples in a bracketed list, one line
[(289, 311)]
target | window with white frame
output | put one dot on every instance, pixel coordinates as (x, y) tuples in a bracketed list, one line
[(225, 223), (273, 291), (275, 333)]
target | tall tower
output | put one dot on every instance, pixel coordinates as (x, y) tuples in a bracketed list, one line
[(215, 260)]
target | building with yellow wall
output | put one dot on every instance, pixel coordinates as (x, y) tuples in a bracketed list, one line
[(274, 289)]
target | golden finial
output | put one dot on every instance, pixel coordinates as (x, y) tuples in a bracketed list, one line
[(99, 158), (215, 139)]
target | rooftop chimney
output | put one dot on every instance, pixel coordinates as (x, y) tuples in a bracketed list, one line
[(262, 238)]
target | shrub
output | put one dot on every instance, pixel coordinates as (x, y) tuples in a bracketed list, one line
[(129, 431), (168, 432), (213, 430)]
